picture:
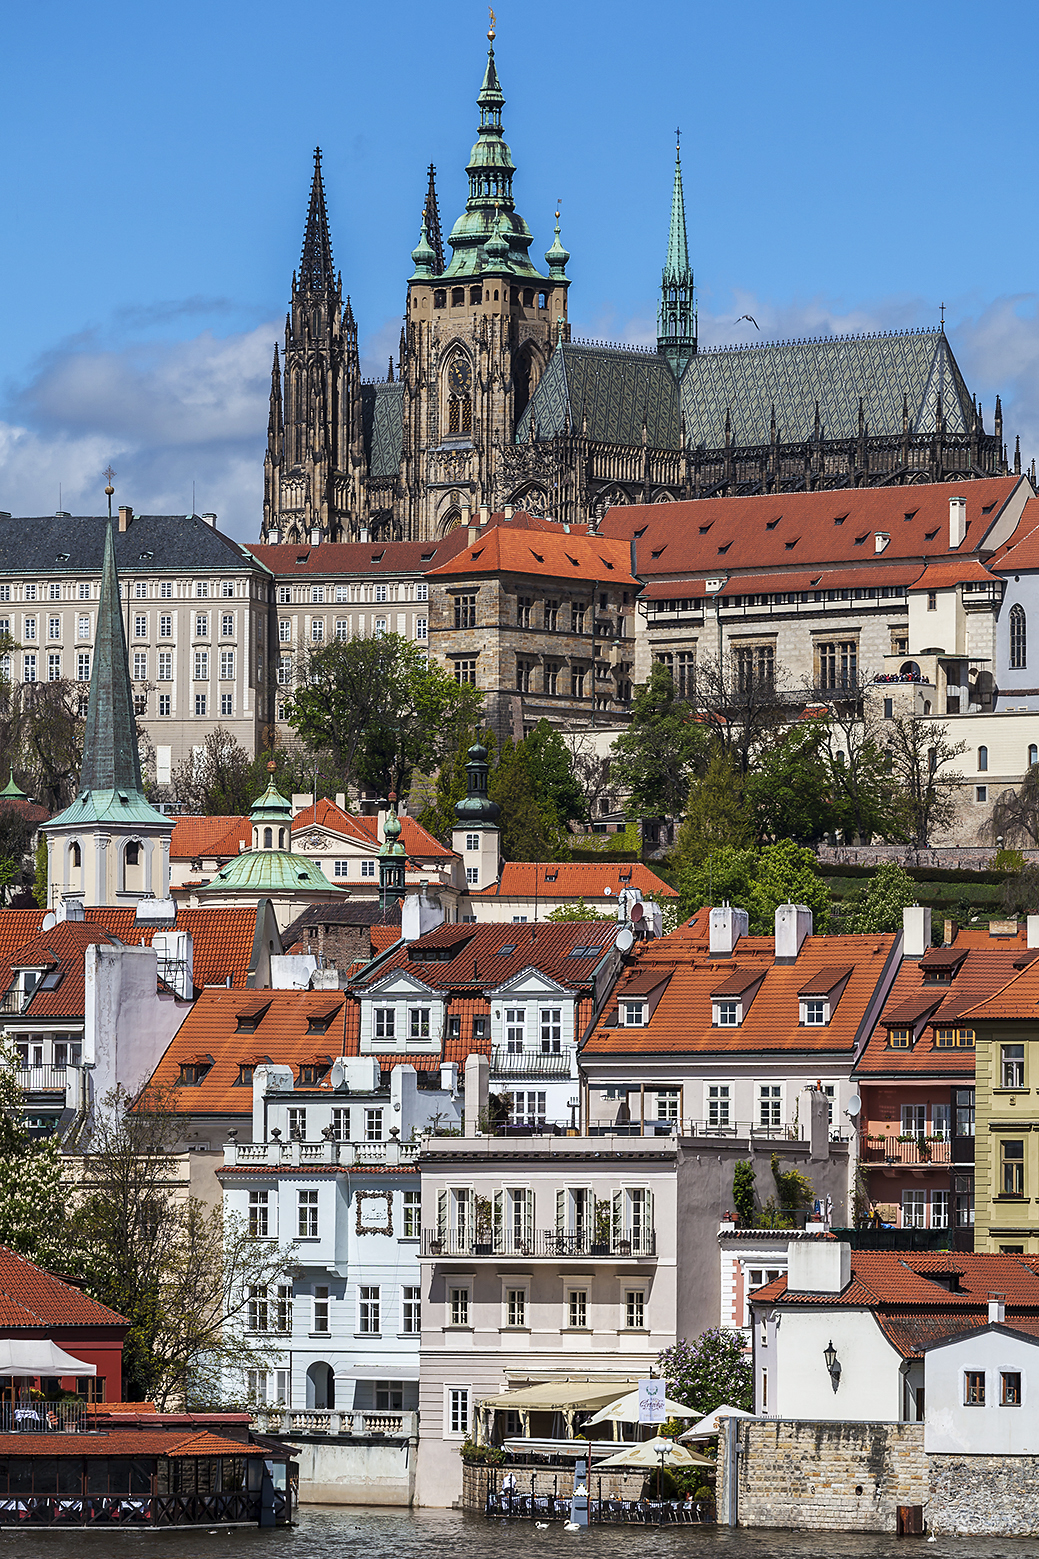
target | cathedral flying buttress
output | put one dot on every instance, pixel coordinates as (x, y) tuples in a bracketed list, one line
[(493, 403)]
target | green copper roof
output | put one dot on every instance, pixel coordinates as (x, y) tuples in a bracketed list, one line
[(490, 217), (556, 257), (11, 792), (391, 831), (110, 777), (272, 806), (676, 266), (423, 254), (676, 320), (261, 872), (477, 810)]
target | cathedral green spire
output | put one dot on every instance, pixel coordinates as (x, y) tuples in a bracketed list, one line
[(110, 757), (676, 323), (490, 213), (423, 254), (557, 257)]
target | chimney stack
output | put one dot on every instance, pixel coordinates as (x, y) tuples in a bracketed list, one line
[(125, 517), (793, 924), (916, 930), (997, 1307), (880, 540), (727, 926), (508, 511), (485, 513), (957, 520)]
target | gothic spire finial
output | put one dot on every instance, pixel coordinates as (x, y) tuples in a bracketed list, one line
[(110, 757), (316, 268), (433, 232), (676, 323)]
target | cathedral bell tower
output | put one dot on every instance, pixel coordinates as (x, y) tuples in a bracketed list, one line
[(478, 333), (313, 471), (676, 321)]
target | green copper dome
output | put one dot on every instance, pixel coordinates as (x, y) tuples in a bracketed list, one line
[(261, 873), (392, 830), (477, 810), (424, 255), (557, 257)]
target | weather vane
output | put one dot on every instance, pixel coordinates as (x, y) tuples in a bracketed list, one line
[(108, 474), (494, 23)]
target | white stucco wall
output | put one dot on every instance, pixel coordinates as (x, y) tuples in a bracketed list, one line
[(799, 1384), (127, 1023), (951, 1426)]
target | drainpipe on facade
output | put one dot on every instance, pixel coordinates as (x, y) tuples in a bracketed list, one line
[(732, 1470)]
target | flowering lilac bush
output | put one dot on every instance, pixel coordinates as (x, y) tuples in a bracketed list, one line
[(711, 1369)]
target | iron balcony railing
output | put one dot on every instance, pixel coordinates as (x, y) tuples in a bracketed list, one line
[(539, 1242), (32, 1417), (529, 1063), (907, 1150), (44, 1079), (15, 1000)]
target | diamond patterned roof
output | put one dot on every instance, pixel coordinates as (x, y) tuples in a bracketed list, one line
[(616, 388), (382, 409)]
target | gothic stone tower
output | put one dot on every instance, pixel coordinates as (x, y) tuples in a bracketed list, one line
[(314, 467), (478, 334)]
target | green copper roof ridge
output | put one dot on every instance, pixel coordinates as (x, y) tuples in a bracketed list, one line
[(11, 791), (490, 94)]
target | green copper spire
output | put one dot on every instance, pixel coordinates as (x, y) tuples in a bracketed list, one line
[(490, 214), (11, 792), (477, 810), (110, 757), (392, 860), (423, 254), (676, 323), (557, 257)]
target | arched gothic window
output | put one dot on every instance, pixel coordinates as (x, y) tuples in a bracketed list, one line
[(982, 759), (1018, 639)]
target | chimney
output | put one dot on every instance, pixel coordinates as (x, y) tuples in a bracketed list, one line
[(818, 1267), (485, 513), (210, 520), (727, 926), (793, 924), (365, 534), (466, 514), (948, 932), (997, 1307), (125, 517), (957, 520), (1032, 930), (880, 541), (472, 533), (916, 930), (508, 511)]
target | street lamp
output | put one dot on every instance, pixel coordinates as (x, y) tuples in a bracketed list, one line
[(832, 1365)]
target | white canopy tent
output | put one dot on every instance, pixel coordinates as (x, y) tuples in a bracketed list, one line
[(39, 1356), (711, 1424), (625, 1410), (659, 1452)]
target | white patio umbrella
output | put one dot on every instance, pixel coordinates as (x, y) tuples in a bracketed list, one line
[(625, 1410), (659, 1452), (710, 1425)]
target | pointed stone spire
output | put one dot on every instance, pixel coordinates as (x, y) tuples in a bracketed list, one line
[(110, 757), (433, 231), (1017, 455), (316, 270), (389, 376), (274, 419), (676, 321)]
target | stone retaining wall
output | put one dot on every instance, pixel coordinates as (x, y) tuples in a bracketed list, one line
[(825, 1476), (995, 1496)]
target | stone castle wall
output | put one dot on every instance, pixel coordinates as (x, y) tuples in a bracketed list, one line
[(997, 1496)]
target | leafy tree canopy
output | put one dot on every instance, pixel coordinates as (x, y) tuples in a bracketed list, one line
[(788, 787), (654, 758), (716, 815), (757, 881), (890, 891), (579, 910), (550, 765), (709, 1371)]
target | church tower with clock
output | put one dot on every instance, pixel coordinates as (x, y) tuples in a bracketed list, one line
[(480, 327)]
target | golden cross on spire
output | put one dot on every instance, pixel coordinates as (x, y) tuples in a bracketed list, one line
[(494, 23)]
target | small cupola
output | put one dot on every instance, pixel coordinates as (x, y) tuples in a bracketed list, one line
[(271, 818)]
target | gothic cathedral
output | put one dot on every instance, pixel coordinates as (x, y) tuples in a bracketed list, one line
[(492, 403)]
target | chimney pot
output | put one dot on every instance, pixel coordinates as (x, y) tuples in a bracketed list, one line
[(916, 930), (210, 520), (793, 923), (485, 513), (880, 540), (727, 925), (997, 1307)]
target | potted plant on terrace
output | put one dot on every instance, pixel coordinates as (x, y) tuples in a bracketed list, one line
[(602, 1228), (484, 1226)]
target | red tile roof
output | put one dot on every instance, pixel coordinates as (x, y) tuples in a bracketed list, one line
[(868, 575), (32, 1298), (682, 1020), (956, 571), (126, 1442), (983, 970), (384, 937), (194, 837), (60, 951), (330, 558), (222, 939), (1022, 550), (1017, 998), (509, 547), (896, 1280), (479, 962), (417, 841), (752, 533), (574, 880)]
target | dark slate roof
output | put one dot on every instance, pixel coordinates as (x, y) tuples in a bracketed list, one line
[(355, 912), (382, 408), (153, 544), (616, 389)]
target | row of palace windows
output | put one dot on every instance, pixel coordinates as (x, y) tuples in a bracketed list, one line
[(1033, 757), (519, 295)]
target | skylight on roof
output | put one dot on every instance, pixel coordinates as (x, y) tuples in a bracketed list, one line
[(584, 952), (771, 524), (791, 544), (860, 539), (839, 519), (303, 557), (726, 547), (507, 951), (377, 557), (428, 556), (931, 534)]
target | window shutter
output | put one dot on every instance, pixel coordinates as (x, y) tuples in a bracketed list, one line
[(499, 1217), (618, 1213), (560, 1211), (647, 1227), (441, 1214), (528, 1214)]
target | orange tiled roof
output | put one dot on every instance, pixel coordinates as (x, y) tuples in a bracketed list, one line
[(32, 1298), (682, 1020), (898, 1279), (60, 951), (1022, 549), (417, 842), (756, 533), (982, 971), (384, 937), (222, 939), (868, 574), (954, 571), (1018, 997), (194, 837), (511, 548), (357, 557), (126, 1442), (574, 880), (479, 961)]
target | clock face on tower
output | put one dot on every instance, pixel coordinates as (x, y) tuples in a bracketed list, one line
[(459, 377)]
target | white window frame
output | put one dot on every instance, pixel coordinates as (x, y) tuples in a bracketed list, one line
[(814, 1011), (515, 1302), (457, 1412), (632, 1014), (726, 1099)]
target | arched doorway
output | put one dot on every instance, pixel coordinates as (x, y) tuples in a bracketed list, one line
[(321, 1386)]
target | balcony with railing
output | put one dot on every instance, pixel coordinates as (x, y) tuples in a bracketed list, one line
[(35, 1417), (47, 1079), (530, 1063), (541, 1244), (345, 1425), (906, 1149), (328, 1151), (14, 1001)]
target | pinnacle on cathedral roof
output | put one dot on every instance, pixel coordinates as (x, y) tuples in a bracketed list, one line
[(676, 321), (423, 254), (676, 266), (557, 256), (316, 267)]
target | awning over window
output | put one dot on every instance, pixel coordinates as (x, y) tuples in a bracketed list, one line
[(39, 1356), (563, 1395)]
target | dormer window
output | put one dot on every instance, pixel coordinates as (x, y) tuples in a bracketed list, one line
[(900, 1039), (815, 1011), (311, 1073), (633, 1014), (249, 1019), (728, 1014), (954, 1039), (245, 1074), (192, 1072)]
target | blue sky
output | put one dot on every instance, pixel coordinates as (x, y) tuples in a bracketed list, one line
[(846, 168)]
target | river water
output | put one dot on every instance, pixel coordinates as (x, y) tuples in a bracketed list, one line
[(365, 1533)]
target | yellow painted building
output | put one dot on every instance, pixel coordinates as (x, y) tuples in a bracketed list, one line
[(1007, 1114)]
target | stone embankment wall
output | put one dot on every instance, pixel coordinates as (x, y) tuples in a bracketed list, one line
[(825, 1476), (994, 1496), (941, 858)]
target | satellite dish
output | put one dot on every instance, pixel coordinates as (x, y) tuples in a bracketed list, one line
[(853, 1106), (638, 910), (49, 921), (625, 940), (607, 891)]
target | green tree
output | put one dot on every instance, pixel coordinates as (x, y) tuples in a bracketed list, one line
[(743, 1178), (550, 764), (794, 1194), (788, 787), (864, 796), (920, 754), (50, 734), (710, 1371), (757, 881), (528, 830), (1015, 816), (889, 891), (451, 785), (578, 910), (380, 708), (40, 883), (33, 1197), (716, 815), (663, 745), (216, 779), (727, 875)]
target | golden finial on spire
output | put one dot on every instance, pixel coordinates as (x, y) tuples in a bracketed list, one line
[(490, 30)]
